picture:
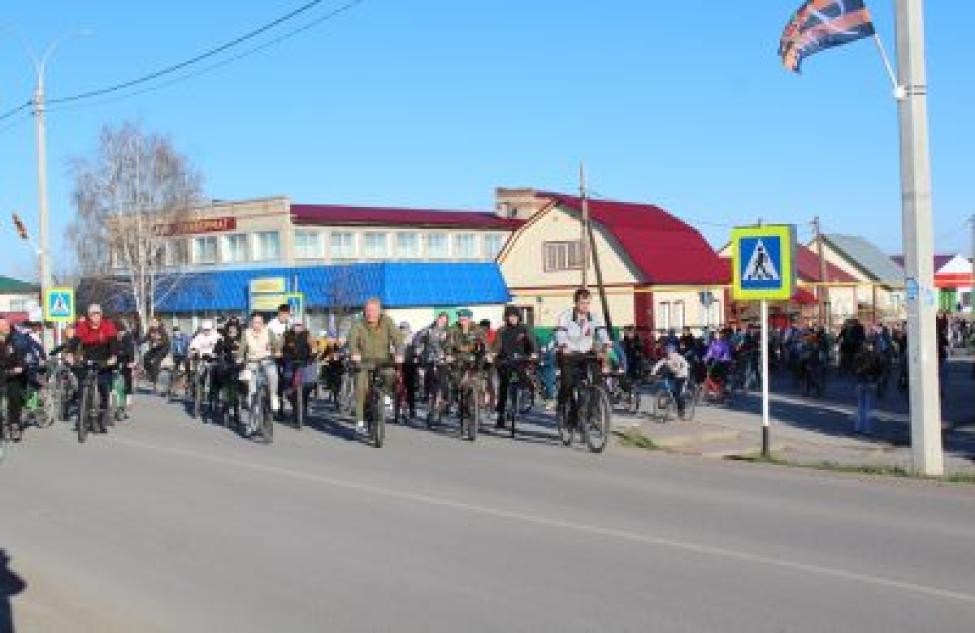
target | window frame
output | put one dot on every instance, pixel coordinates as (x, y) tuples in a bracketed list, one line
[(456, 248), (339, 252), (260, 255), (316, 244), (561, 255), (415, 252), (446, 243)]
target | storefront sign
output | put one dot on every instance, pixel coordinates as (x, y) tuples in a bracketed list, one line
[(192, 227), (268, 285)]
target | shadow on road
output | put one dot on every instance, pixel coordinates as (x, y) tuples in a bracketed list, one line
[(10, 585)]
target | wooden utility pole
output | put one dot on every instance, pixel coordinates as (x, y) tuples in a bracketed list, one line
[(820, 289), (584, 241)]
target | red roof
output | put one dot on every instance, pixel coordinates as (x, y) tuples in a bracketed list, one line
[(807, 268), (665, 249), (323, 214)]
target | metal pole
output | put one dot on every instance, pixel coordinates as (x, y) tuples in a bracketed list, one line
[(766, 438), (971, 289), (583, 194), (42, 208), (918, 240), (820, 290)]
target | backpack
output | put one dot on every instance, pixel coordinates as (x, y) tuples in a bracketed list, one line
[(180, 345)]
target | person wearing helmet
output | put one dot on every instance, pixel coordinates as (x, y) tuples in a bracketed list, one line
[(513, 344)]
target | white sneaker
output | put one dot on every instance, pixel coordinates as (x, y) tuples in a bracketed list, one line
[(275, 405), (360, 426), (128, 401)]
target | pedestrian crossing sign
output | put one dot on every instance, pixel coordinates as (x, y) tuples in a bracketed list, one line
[(59, 305), (763, 262)]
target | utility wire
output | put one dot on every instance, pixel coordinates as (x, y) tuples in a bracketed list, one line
[(15, 111), (198, 58), (216, 65)]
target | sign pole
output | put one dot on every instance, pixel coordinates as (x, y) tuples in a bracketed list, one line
[(766, 439)]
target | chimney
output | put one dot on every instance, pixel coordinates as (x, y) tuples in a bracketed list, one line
[(517, 203)]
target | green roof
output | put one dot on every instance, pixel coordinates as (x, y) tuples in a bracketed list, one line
[(10, 286)]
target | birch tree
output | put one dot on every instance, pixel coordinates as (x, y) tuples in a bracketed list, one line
[(128, 198)]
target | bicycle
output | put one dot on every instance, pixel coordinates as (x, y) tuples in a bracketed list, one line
[(202, 379), (226, 411), (89, 408), (437, 385), (117, 398), (39, 406), (345, 394), (61, 385), (623, 391), (665, 403), (470, 394), (375, 409), (590, 401), (9, 432), (521, 389), (259, 416), (299, 389)]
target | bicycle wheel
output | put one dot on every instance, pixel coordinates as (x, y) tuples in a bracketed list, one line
[(83, 413), (514, 407), (267, 418), (690, 403), (48, 411), (597, 420), (566, 432), (663, 404), (299, 412), (197, 395), (474, 425), (377, 422), (527, 399)]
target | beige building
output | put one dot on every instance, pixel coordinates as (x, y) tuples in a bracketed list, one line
[(276, 232), (658, 272), (878, 293)]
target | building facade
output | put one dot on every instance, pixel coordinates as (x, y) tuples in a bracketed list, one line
[(276, 232), (418, 261), (18, 299), (658, 272)]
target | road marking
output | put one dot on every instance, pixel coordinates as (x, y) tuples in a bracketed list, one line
[(623, 535)]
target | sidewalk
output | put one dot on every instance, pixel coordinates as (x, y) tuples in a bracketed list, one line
[(820, 430)]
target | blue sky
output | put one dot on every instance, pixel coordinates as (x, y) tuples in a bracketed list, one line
[(436, 102)]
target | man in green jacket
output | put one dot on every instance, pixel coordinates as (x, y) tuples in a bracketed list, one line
[(374, 339)]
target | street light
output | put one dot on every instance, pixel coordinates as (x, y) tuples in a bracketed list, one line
[(40, 66), (38, 108)]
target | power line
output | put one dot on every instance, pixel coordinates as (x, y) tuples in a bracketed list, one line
[(202, 56), (217, 65), (15, 111)]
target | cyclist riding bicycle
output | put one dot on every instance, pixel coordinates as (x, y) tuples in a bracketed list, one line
[(580, 332), (374, 339), (126, 360), (432, 348), (674, 370), (296, 355), (260, 346), (13, 379), (464, 338), (203, 346), (98, 341), (513, 339)]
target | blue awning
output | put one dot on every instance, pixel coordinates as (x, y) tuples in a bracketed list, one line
[(397, 284)]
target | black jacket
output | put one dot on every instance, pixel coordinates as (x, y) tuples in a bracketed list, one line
[(11, 358), (511, 340)]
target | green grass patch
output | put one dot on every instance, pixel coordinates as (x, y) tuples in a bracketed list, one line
[(855, 469), (633, 438)]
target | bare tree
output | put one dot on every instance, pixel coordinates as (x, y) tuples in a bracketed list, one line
[(131, 197)]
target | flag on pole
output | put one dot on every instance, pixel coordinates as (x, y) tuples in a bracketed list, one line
[(822, 24)]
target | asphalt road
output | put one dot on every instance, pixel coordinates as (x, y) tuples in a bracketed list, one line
[(168, 525)]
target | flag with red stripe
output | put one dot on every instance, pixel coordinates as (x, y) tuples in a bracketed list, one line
[(821, 24)]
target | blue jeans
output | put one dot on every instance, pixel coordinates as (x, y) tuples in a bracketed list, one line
[(547, 372), (865, 394)]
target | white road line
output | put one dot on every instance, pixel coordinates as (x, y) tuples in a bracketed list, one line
[(623, 535)]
